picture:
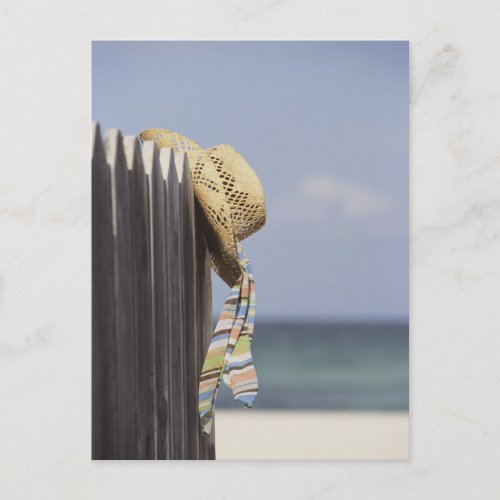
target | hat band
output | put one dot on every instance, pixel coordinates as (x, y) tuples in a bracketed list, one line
[(229, 357)]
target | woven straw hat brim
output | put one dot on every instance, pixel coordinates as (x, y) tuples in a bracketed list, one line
[(229, 193)]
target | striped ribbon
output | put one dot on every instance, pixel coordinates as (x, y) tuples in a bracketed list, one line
[(229, 357)]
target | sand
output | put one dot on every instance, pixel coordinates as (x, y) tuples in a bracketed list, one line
[(311, 435)]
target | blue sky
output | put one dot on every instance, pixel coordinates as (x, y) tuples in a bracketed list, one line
[(324, 125)]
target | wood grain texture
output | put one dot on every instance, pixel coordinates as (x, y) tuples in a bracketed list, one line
[(124, 297), (160, 301), (142, 288), (190, 323), (175, 277), (204, 312)]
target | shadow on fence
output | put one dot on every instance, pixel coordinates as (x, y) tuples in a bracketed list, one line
[(151, 303)]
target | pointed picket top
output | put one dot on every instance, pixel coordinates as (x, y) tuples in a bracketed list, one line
[(167, 163), (113, 146), (96, 135), (132, 152), (180, 164), (150, 156), (97, 145)]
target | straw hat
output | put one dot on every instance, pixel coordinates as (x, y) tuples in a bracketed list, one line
[(229, 193)]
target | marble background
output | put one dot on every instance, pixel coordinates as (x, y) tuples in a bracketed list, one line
[(45, 248)]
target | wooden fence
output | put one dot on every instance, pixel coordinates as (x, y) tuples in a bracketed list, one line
[(151, 303)]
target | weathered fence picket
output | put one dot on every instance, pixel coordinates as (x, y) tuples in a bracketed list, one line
[(175, 276), (141, 282), (190, 347), (151, 303), (104, 407), (203, 312)]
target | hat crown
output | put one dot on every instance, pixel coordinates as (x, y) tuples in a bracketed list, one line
[(242, 190)]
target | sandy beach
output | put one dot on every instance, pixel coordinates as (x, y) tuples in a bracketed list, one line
[(311, 435)]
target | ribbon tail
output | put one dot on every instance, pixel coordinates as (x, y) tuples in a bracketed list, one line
[(241, 315), (240, 370), (213, 366)]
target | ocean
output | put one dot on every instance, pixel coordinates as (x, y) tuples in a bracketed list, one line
[(329, 366)]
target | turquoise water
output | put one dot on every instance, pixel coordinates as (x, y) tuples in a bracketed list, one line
[(349, 366)]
